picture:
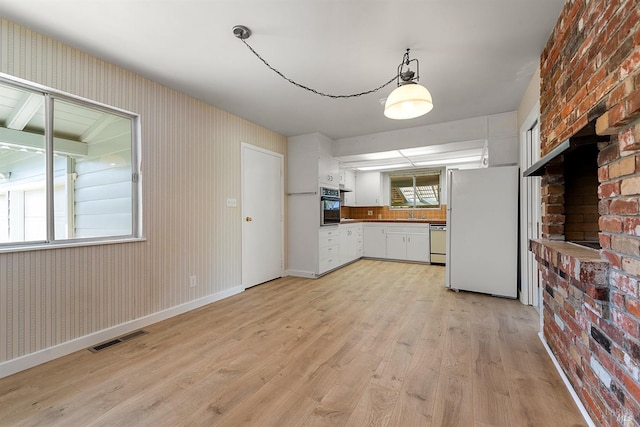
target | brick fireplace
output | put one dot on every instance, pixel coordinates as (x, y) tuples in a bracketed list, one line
[(590, 128)]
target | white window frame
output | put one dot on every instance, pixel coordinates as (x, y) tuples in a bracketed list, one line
[(50, 242), (415, 173)]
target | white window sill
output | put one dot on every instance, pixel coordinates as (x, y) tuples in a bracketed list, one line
[(71, 244)]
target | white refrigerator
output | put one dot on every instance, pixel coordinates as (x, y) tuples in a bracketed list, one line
[(482, 230)]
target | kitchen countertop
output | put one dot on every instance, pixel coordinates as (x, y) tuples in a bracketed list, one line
[(396, 220)]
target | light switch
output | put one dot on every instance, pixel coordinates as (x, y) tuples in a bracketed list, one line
[(232, 203)]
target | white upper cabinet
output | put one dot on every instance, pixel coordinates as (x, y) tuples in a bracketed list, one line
[(310, 163), (303, 172), (349, 181), (369, 189), (328, 173)]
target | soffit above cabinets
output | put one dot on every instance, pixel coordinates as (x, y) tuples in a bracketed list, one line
[(468, 152)]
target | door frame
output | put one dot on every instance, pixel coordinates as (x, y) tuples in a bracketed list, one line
[(528, 289), (243, 146)]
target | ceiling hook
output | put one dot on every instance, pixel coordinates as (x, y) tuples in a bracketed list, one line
[(241, 32)]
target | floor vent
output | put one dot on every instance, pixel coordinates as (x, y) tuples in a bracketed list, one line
[(132, 335), (118, 340)]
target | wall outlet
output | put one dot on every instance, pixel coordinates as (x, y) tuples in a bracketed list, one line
[(193, 282), (232, 203), (370, 213)]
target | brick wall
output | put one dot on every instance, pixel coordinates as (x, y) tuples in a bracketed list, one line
[(590, 70), (552, 193)]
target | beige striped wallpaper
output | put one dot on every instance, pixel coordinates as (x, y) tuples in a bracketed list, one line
[(190, 166)]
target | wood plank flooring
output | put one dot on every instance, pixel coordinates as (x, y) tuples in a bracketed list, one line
[(373, 344)]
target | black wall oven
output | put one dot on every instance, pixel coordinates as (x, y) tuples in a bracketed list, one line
[(329, 206)]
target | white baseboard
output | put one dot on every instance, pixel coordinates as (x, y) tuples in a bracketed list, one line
[(575, 397), (27, 361), (301, 273)]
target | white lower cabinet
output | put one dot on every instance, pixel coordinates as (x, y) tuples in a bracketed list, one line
[(375, 241), (349, 242), (418, 247), (408, 246), (339, 246), (397, 241), (329, 249), (396, 245)]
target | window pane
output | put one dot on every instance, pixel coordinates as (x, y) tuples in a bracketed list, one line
[(402, 191), (92, 182), (428, 191), (419, 190), (35, 214), (22, 166)]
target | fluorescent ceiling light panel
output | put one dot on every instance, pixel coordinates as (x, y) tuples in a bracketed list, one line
[(419, 151), (381, 167), (450, 161), (382, 156)]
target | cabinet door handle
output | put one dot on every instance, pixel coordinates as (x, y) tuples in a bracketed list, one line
[(248, 219)]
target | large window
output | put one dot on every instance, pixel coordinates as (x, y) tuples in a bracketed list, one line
[(68, 168), (415, 189)]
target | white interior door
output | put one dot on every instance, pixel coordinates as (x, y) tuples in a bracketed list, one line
[(262, 215)]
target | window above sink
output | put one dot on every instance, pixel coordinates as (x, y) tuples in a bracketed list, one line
[(415, 189)]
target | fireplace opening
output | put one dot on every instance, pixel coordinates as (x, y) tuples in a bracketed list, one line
[(570, 177), (581, 196)]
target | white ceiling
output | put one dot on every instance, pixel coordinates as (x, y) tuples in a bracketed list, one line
[(476, 56)]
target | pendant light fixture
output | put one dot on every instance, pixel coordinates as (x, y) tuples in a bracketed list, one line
[(407, 101)]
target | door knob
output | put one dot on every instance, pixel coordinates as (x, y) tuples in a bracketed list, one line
[(248, 219)]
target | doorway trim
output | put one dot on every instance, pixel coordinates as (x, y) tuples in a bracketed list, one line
[(527, 289)]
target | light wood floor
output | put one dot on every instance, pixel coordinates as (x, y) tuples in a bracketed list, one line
[(375, 343)]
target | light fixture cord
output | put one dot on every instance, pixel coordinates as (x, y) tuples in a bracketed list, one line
[(353, 95)]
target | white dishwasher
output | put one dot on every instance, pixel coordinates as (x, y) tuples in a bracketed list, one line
[(438, 243)]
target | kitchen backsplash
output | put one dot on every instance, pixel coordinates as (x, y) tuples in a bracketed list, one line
[(383, 212)]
